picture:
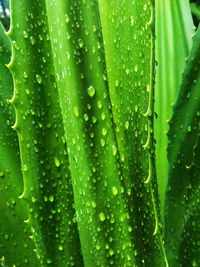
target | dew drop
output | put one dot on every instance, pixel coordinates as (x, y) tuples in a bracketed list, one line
[(25, 168), (25, 75), (104, 131), (56, 162), (115, 190), (102, 216), (60, 248), (103, 116), (91, 91), (80, 43), (136, 68), (126, 125), (111, 252), (67, 18), (32, 39), (25, 34), (86, 118), (114, 149), (51, 198), (38, 78), (76, 111), (102, 142), (132, 20)]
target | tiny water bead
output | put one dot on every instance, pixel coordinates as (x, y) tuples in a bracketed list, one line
[(56, 162), (114, 190), (32, 39), (114, 149), (91, 91), (60, 248), (51, 198), (126, 125), (104, 131), (67, 18), (102, 216), (80, 43), (38, 78), (76, 111), (25, 34)]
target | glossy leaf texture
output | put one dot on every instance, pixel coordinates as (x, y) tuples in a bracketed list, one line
[(16, 248), (101, 209), (174, 28), (182, 198), (43, 150), (129, 38)]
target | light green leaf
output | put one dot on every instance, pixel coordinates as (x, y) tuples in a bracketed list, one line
[(15, 246), (47, 180), (103, 219), (174, 28), (183, 155)]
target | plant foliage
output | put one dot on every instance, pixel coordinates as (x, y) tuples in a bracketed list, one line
[(86, 178)]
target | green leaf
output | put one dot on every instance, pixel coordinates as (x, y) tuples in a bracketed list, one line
[(174, 28), (183, 155), (128, 33), (15, 247), (103, 219), (39, 124)]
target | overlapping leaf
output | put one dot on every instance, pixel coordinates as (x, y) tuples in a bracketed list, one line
[(182, 199)]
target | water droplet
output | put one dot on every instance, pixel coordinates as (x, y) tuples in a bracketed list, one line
[(115, 190), (80, 43), (91, 91), (60, 248), (27, 92), (51, 198), (25, 168), (25, 75), (189, 128), (111, 252), (98, 247), (103, 116), (49, 261), (132, 20), (32, 39), (38, 78), (114, 149), (126, 125), (25, 34), (94, 119), (99, 104), (57, 162), (102, 142), (104, 131), (67, 18), (86, 118), (102, 216), (136, 68), (76, 111)]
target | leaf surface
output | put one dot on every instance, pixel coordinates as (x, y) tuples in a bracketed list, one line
[(183, 154), (15, 246), (39, 124), (174, 28)]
